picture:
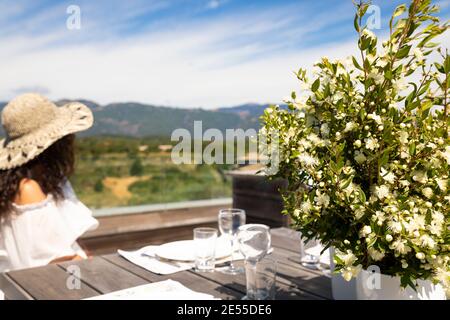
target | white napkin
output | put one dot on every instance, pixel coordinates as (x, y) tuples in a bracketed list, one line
[(2, 295), (324, 258), (149, 261), (163, 290), (146, 258)]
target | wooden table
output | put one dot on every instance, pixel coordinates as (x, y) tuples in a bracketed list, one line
[(104, 274)]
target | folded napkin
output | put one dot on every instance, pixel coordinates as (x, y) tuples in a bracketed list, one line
[(146, 258), (163, 290), (2, 295)]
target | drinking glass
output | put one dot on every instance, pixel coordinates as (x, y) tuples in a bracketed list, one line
[(254, 243), (310, 259), (205, 247), (229, 222), (261, 279)]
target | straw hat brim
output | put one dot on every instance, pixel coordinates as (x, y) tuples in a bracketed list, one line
[(70, 118)]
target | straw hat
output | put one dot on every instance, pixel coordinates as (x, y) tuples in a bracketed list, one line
[(32, 123)]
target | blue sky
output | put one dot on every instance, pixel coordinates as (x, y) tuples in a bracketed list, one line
[(186, 53)]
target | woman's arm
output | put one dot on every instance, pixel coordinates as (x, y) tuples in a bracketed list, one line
[(75, 257)]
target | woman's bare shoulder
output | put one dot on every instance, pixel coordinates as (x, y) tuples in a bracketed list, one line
[(29, 192)]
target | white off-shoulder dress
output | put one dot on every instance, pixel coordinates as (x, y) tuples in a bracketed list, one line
[(34, 235)]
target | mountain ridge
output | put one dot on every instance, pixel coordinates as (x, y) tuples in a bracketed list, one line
[(136, 119)]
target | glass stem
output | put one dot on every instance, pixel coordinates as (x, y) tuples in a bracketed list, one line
[(232, 253)]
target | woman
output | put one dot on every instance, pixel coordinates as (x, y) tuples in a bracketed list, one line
[(40, 216)]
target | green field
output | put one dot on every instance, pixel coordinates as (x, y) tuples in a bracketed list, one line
[(116, 171)]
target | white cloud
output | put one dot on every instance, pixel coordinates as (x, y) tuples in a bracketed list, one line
[(213, 4)]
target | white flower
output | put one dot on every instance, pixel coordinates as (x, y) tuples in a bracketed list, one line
[(389, 238), (404, 183), (377, 77), (349, 126), (420, 176), (427, 241), (419, 54), (359, 213), (382, 191), (375, 254), (357, 143), (314, 139), (360, 157), (427, 192), (306, 206), (437, 217), (365, 231), (347, 258), (400, 246), (435, 228), (324, 129), (387, 176), (379, 216), (403, 137), (399, 85), (307, 160), (417, 222), (322, 199), (350, 272), (420, 255), (395, 226), (372, 143), (369, 34), (442, 184), (375, 118)]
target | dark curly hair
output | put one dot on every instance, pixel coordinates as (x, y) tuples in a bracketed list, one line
[(50, 169)]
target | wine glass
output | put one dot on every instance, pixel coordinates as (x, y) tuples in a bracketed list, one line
[(254, 243), (229, 222)]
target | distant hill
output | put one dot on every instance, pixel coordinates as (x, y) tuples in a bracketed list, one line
[(141, 120)]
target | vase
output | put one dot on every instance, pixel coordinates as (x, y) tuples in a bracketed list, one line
[(377, 286), (340, 288)]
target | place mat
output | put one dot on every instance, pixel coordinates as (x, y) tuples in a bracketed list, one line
[(163, 290), (146, 258)]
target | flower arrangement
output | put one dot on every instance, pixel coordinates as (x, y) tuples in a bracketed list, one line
[(365, 149)]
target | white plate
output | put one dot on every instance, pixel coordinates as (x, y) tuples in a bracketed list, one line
[(185, 250)]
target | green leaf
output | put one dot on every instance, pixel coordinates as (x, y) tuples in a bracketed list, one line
[(399, 10), (345, 183), (439, 67), (403, 52), (338, 260), (447, 64), (426, 105), (355, 23), (315, 85), (384, 158), (355, 62), (388, 74), (412, 148)]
